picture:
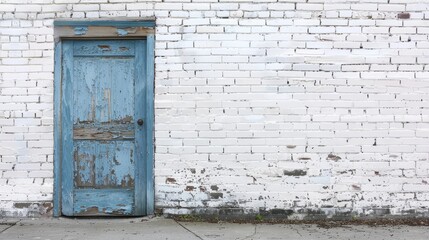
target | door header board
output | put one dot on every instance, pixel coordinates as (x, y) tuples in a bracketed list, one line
[(103, 28)]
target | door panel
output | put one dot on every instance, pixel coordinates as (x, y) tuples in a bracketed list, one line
[(113, 202), (104, 164), (103, 149)]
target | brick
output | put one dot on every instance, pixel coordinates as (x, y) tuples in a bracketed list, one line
[(322, 89)]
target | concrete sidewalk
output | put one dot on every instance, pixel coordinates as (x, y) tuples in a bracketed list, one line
[(161, 228)]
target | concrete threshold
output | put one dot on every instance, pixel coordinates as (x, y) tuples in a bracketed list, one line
[(162, 228)]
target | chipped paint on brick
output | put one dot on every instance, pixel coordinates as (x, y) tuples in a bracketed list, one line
[(297, 172)]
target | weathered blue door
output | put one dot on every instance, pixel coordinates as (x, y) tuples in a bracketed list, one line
[(102, 128)]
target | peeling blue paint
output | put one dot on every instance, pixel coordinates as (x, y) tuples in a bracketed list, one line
[(80, 30), (122, 32)]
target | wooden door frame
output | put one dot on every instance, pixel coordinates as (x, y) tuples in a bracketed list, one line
[(102, 29)]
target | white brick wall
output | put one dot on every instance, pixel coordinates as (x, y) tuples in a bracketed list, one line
[(247, 95)]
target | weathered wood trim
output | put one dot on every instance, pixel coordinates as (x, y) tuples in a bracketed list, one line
[(103, 29), (100, 32), (57, 130), (66, 123), (140, 113), (150, 78)]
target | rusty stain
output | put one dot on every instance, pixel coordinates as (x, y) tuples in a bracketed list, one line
[(404, 15), (333, 157), (189, 188), (304, 158), (170, 180), (127, 181), (291, 146), (122, 49), (105, 47), (356, 187), (202, 189)]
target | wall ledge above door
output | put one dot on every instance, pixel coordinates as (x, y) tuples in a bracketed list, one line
[(103, 28)]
